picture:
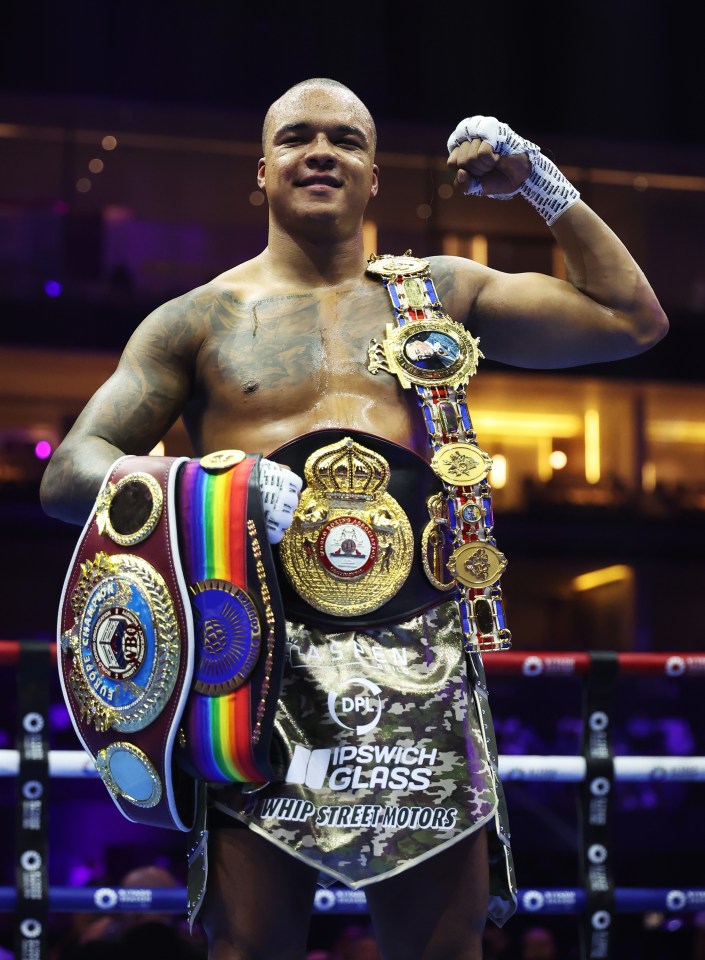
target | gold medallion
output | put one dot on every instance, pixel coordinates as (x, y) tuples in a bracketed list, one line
[(222, 460), (350, 546), (125, 643), (435, 547), (431, 352), (129, 510), (461, 464), (129, 774), (388, 265), (477, 564)]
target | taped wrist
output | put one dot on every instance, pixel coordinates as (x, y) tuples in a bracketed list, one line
[(548, 191), (546, 188), (280, 490)]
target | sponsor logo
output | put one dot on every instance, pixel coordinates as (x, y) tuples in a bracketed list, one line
[(598, 721), (105, 897), (32, 790), (308, 655), (372, 766), (358, 700), (532, 666), (675, 666), (31, 860), (597, 853), (533, 900), (33, 722), (324, 900), (600, 920), (31, 929), (599, 787), (360, 815), (676, 900)]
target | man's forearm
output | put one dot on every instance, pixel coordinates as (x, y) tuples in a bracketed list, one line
[(73, 477), (600, 266)]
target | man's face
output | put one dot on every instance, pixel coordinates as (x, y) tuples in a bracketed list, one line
[(318, 169)]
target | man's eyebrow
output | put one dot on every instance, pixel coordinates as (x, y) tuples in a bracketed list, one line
[(340, 129)]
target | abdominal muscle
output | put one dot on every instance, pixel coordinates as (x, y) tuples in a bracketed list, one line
[(394, 418)]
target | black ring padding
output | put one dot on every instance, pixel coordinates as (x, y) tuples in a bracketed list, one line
[(31, 821)]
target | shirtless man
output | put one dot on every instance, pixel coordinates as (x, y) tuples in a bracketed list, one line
[(277, 347)]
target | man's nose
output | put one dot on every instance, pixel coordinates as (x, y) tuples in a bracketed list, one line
[(321, 152)]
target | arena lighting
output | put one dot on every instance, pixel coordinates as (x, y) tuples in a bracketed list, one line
[(648, 476), (474, 247), (53, 288), (676, 431), (592, 446), (478, 248), (527, 425), (619, 573), (42, 450), (558, 459), (498, 474)]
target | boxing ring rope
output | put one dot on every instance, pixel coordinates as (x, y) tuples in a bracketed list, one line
[(537, 768), (601, 765)]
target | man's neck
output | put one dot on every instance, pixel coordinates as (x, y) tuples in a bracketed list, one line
[(314, 263)]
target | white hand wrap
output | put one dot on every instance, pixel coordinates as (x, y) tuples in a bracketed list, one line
[(280, 490), (546, 189)]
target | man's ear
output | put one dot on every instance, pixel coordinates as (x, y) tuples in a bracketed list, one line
[(375, 180), (260, 173)]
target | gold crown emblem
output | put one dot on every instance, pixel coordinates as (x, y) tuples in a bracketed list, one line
[(347, 471)]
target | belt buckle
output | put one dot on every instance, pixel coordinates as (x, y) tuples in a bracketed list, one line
[(350, 546)]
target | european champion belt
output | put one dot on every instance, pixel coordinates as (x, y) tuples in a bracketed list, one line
[(172, 633), (124, 663), (427, 350)]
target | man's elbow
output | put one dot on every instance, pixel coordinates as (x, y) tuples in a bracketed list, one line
[(649, 328), (56, 493), (50, 493)]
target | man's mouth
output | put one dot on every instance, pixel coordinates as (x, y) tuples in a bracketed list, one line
[(319, 180)]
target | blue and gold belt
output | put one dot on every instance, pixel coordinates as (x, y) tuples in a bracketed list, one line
[(427, 350)]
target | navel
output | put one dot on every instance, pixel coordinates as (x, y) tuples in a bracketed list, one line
[(250, 386)]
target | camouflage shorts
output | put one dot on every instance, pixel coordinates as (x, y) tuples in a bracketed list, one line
[(391, 755)]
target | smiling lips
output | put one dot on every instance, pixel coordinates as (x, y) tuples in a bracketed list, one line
[(318, 180)]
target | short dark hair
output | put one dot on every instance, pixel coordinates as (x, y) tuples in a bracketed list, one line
[(315, 82)]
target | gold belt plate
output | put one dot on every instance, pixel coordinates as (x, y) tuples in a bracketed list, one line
[(350, 546)]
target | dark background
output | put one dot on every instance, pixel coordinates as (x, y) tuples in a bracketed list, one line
[(625, 69)]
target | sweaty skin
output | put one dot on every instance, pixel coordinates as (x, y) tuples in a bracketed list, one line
[(277, 346)]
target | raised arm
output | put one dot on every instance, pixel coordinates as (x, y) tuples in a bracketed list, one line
[(606, 310), (129, 414)]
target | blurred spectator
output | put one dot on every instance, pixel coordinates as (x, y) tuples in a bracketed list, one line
[(356, 942), (496, 943), (538, 943), (136, 936)]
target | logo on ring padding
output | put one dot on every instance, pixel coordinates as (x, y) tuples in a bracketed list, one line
[(533, 900), (105, 898)]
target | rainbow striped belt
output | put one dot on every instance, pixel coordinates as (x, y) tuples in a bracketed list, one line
[(228, 638)]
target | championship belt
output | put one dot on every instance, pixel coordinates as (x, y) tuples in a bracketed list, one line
[(353, 557), (172, 633), (125, 663), (238, 619), (427, 350)]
